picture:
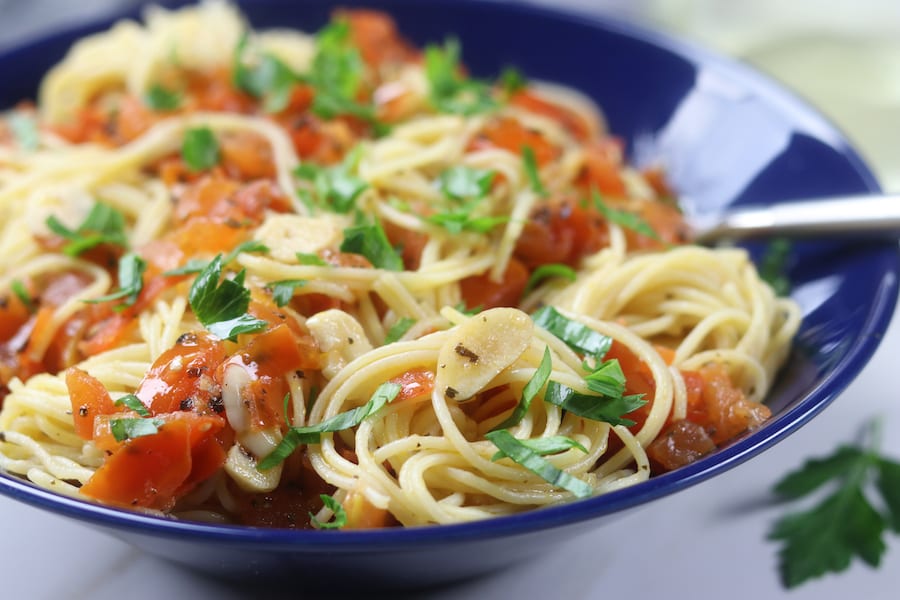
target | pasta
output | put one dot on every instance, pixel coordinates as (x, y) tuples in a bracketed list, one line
[(246, 276)]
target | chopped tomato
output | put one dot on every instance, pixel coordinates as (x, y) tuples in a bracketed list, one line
[(376, 36), (247, 155), (415, 385), (13, 315), (153, 470), (132, 119), (481, 291), (362, 514), (89, 398), (411, 243), (602, 168), (561, 232), (680, 444), (569, 119), (728, 413), (510, 134)]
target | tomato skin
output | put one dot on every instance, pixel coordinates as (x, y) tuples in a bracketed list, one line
[(569, 119), (511, 135), (415, 385), (89, 400), (481, 291), (562, 231), (680, 444)]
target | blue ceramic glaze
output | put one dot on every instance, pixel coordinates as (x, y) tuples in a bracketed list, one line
[(725, 134)]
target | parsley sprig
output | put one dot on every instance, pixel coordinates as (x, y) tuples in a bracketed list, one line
[(131, 282), (221, 306), (451, 91), (846, 523), (102, 225)]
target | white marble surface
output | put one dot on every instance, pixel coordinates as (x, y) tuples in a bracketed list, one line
[(706, 542)]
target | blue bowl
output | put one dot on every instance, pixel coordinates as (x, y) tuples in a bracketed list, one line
[(726, 136)]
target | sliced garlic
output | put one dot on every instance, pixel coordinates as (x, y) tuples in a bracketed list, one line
[(479, 349), (241, 467), (286, 235), (340, 337)]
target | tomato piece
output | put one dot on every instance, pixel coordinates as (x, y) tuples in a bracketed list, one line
[(89, 398), (602, 168), (375, 34), (181, 377), (279, 350), (132, 118), (13, 316), (569, 119), (728, 412), (411, 242), (681, 444), (415, 385), (481, 291), (510, 134), (362, 514), (246, 155), (561, 232)]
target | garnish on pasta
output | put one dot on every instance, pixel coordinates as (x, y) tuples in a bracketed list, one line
[(334, 280)]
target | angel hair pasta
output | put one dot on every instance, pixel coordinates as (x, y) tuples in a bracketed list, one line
[(246, 276)]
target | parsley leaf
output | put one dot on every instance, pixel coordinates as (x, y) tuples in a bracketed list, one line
[(24, 128), (450, 91), (340, 515), (132, 402), (512, 80), (162, 99), (547, 271), (311, 434), (266, 77), (283, 291), (222, 307), (529, 163), (371, 241), (608, 409), (103, 225), (577, 336), (773, 266), (18, 288), (311, 259), (336, 187), (131, 282), (623, 218), (521, 454), (196, 265), (456, 221), (531, 389), (545, 445), (461, 182), (845, 524), (126, 429), (200, 149), (398, 330)]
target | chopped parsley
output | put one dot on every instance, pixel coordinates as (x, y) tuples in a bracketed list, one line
[(263, 77), (18, 288), (845, 523), (340, 515), (221, 307), (529, 163), (577, 336), (200, 149), (336, 188), (522, 454), (451, 92), (132, 402), (545, 446), (311, 259), (398, 329), (162, 99), (531, 389), (196, 265), (103, 225), (371, 241), (311, 434), (512, 80), (131, 281), (283, 291), (129, 428), (547, 271), (461, 182), (773, 266), (623, 218)]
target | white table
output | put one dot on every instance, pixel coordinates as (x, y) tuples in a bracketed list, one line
[(705, 542)]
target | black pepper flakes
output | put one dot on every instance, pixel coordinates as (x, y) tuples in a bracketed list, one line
[(83, 410), (466, 353), (216, 404), (194, 371), (186, 404), (450, 392), (185, 339)]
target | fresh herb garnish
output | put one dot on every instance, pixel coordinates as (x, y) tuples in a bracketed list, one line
[(530, 459), (103, 225), (311, 259), (24, 128), (263, 77), (512, 80), (131, 281), (196, 265), (18, 288), (340, 515), (311, 434), (529, 163), (461, 219), (531, 389), (200, 149), (608, 409), (545, 446), (623, 218), (461, 182), (283, 291), (773, 266), (451, 92), (132, 402), (547, 271), (221, 307), (336, 187), (398, 329), (845, 523), (577, 336), (126, 429), (162, 99), (371, 241), (462, 308)]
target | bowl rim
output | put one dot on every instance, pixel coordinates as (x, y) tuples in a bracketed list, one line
[(822, 394)]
